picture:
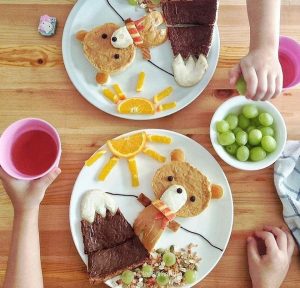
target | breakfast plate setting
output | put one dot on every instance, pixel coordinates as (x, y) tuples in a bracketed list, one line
[(204, 220), (95, 28)]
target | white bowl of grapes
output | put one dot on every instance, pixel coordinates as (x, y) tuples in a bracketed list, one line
[(246, 134)]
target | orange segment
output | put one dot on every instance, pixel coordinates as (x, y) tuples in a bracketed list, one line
[(159, 139), (111, 96), (134, 172), (128, 146), (136, 106), (107, 168), (140, 82), (119, 91), (166, 106), (94, 157), (153, 154), (163, 94)]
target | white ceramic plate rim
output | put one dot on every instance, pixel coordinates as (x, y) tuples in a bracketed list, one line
[(186, 139), (213, 58), (233, 104)]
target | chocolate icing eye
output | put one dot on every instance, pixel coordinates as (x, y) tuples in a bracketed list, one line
[(170, 178), (104, 36), (193, 198), (179, 190), (116, 56), (114, 39)]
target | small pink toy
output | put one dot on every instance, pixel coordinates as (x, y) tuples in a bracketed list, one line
[(47, 25)]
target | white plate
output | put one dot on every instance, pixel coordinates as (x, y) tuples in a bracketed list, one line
[(215, 223), (88, 14)]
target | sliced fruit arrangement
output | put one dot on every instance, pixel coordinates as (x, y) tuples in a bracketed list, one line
[(129, 147), (138, 105)]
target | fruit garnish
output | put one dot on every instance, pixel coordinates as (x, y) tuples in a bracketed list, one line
[(241, 86), (166, 106), (169, 258), (127, 277), (190, 276), (107, 168), (140, 82), (128, 146), (94, 157), (111, 95), (159, 139), (134, 172), (136, 106), (163, 94), (147, 271), (153, 154), (119, 91), (102, 78), (162, 279)]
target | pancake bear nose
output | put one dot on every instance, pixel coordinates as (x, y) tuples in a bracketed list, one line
[(179, 190), (114, 39)]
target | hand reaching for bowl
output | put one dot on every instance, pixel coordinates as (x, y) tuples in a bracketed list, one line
[(270, 269)]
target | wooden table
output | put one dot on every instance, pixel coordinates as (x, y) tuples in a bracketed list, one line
[(34, 83)]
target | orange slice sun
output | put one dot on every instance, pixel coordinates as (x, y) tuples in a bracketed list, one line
[(128, 146), (136, 106)]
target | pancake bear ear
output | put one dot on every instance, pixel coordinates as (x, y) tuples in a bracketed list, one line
[(177, 155), (216, 191), (80, 35)]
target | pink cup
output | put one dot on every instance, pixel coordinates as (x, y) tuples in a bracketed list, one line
[(29, 149), (289, 57)]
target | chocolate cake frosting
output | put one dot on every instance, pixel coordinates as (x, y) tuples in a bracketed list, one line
[(190, 12), (105, 264), (105, 232), (194, 40)]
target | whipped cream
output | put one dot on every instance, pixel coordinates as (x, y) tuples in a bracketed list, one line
[(173, 199), (122, 38), (96, 201), (190, 73)]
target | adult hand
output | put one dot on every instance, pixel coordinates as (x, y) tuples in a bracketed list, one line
[(269, 270)]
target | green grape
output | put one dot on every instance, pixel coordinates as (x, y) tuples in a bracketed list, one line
[(236, 130), (162, 279), (222, 126), (155, 1), (266, 131), (232, 120), (255, 122), (250, 111), (241, 138), (231, 149), (257, 154), (127, 277), (268, 143), (241, 86), (147, 271), (250, 128), (243, 122), (190, 276), (169, 258), (226, 138), (133, 2), (255, 137), (242, 153), (265, 119)]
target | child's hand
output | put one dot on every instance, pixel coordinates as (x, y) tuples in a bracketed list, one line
[(269, 270), (262, 72), (27, 195)]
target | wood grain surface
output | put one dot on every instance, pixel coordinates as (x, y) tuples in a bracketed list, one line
[(34, 83)]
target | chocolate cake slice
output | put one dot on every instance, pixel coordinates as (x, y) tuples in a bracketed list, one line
[(108, 263), (104, 233), (190, 12), (194, 40)]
